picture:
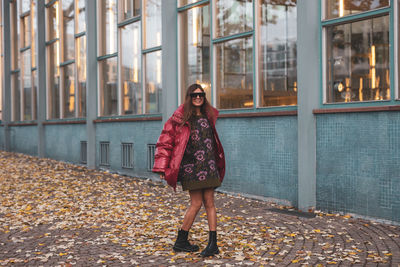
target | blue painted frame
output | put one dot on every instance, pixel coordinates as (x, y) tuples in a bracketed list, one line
[(347, 19)]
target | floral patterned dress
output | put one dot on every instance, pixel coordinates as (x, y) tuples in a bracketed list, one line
[(198, 168)]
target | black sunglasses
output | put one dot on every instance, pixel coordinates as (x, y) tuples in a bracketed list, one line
[(195, 95)]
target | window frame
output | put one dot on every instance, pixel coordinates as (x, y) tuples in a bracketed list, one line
[(325, 23), (143, 52), (62, 64), (255, 34)]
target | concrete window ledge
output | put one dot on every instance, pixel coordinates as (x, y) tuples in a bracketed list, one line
[(259, 114), (354, 110)]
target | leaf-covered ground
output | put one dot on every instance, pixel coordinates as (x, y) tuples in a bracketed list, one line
[(58, 214)]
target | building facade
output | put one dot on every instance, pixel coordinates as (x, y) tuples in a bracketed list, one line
[(307, 90)]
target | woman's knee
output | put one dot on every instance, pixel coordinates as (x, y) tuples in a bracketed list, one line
[(208, 201)]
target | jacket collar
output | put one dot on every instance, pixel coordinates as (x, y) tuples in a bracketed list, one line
[(178, 115)]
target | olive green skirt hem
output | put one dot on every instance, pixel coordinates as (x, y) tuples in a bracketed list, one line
[(195, 185)]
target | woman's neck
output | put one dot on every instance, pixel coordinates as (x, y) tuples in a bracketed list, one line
[(197, 111)]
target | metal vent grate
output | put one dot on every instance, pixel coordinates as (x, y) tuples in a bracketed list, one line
[(104, 153), (83, 151), (127, 155), (151, 150)]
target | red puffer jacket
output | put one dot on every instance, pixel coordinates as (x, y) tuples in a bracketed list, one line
[(172, 143)]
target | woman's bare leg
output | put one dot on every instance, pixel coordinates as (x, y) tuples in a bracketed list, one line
[(196, 199), (208, 200)]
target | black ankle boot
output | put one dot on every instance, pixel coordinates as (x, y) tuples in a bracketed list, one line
[(182, 243), (212, 247)]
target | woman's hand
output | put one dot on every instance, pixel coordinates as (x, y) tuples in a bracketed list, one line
[(162, 176)]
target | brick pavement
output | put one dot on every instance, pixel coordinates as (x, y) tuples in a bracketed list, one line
[(58, 214)]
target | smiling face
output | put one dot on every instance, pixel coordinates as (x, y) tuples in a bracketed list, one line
[(197, 101)]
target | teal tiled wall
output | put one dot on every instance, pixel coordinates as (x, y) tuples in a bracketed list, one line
[(261, 156), (358, 170), (139, 133), (63, 141), (23, 139)]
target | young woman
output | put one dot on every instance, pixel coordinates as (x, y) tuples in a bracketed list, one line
[(189, 151)]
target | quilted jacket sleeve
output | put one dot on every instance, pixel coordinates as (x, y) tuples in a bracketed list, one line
[(164, 147)]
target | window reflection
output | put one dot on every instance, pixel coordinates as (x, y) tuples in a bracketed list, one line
[(80, 16), (53, 82), (195, 48), (153, 82), (81, 69), (233, 16), (25, 5), (152, 23), (235, 73), (278, 70), (26, 85), (15, 97), (131, 85), (34, 95), (26, 31), (340, 8), (107, 27), (128, 9), (52, 22), (69, 91), (68, 13), (33, 33), (358, 61), (108, 87)]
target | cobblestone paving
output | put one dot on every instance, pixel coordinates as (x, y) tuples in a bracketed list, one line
[(58, 214)]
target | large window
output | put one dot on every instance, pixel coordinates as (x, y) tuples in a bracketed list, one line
[(278, 53), (66, 60), (357, 52), (195, 47), (234, 54), (130, 69), (251, 55), (23, 60), (152, 56)]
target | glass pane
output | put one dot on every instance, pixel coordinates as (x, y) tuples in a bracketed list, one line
[(15, 97), (340, 8), (69, 31), (107, 27), (128, 9), (235, 74), (278, 69), (27, 85), (152, 23), (52, 29), (26, 31), (81, 69), (153, 82), (186, 2), (358, 61), (195, 45), (15, 36), (81, 16), (53, 78), (34, 95), (131, 69), (233, 16), (69, 91), (33, 33), (108, 86), (25, 5)]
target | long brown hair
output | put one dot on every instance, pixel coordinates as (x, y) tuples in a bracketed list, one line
[(188, 108)]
